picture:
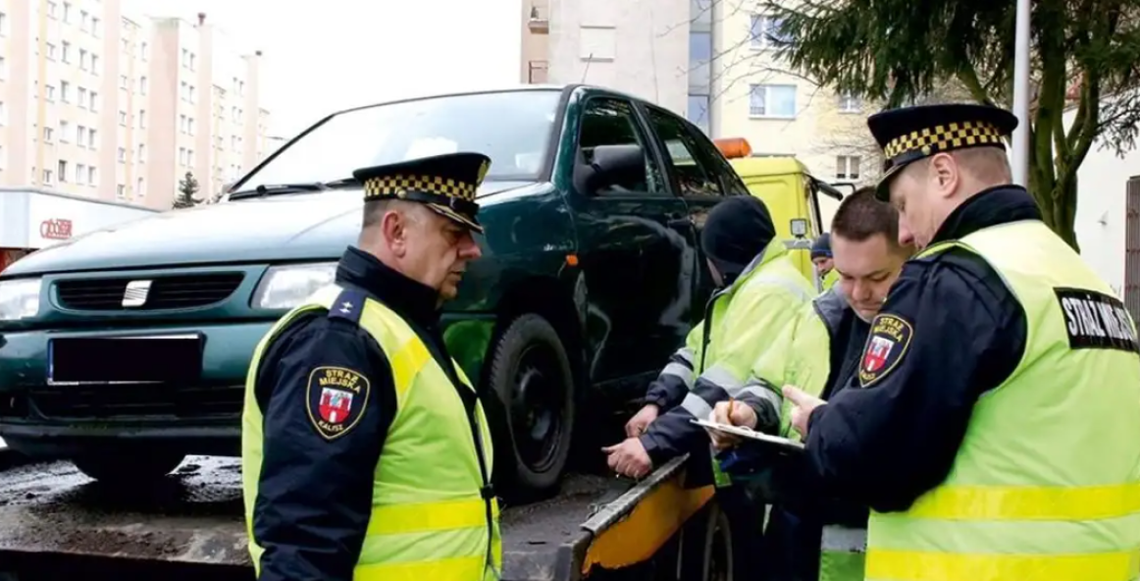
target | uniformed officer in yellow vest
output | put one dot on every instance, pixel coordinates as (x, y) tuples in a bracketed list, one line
[(993, 431), (365, 452)]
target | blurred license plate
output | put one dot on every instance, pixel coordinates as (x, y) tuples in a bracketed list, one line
[(133, 359)]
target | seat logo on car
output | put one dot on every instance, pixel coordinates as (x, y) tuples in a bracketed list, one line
[(136, 293)]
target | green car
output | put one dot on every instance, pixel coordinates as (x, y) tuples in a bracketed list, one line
[(126, 349)]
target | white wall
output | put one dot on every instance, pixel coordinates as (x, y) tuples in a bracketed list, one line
[(640, 47), (1102, 182)]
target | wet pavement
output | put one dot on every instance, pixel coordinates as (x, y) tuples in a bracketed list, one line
[(52, 513)]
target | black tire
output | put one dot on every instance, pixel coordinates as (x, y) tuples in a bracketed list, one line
[(127, 468), (708, 548), (531, 376)]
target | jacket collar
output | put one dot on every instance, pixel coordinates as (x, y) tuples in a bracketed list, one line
[(409, 298), (990, 207)]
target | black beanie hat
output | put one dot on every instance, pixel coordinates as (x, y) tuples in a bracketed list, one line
[(821, 247), (736, 230)]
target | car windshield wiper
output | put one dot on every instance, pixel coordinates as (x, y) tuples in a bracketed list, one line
[(274, 189)]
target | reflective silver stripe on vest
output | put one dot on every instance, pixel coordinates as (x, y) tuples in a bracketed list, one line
[(765, 394), (697, 406), (686, 354), (839, 539), (680, 371)]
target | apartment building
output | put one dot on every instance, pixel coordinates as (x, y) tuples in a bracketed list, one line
[(634, 46), (741, 89), (98, 105)]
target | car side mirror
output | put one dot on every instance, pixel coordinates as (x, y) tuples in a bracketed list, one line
[(612, 165)]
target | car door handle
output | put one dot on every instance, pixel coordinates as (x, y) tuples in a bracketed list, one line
[(679, 220)]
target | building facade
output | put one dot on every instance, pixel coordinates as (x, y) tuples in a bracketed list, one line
[(101, 104), (634, 46), (739, 88)]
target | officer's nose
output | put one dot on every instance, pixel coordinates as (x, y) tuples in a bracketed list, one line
[(906, 237), (468, 248)]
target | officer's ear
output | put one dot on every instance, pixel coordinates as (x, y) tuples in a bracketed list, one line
[(943, 174), (394, 227)]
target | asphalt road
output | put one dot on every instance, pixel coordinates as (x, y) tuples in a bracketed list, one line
[(56, 523)]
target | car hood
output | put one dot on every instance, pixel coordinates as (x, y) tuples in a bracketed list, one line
[(302, 226)]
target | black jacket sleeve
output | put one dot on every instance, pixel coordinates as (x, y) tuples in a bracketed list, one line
[(315, 491), (674, 381), (949, 331)]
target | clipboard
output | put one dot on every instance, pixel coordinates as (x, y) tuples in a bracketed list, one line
[(744, 432)]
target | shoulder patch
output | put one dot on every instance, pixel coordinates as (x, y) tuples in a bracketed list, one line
[(887, 343), (336, 398), (1095, 320), (349, 305)]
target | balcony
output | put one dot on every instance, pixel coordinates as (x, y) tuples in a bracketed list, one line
[(536, 74), (539, 22)]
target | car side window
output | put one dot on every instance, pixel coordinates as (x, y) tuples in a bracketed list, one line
[(717, 165), (683, 152), (607, 121)]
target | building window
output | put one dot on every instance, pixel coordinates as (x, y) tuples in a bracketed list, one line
[(122, 154), (123, 118), (80, 135), (850, 104), (847, 167), (48, 134), (142, 153), (121, 192), (142, 85), (65, 91), (50, 51), (772, 101), (83, 59), (49, 93), (698, 111), (766, 32), (700, 57), (91, 133), (139, 192), (96, 27), (93, 98), (3, 24), (142, 119), (94, 64), (64, 130), (92, 176), (62, 171), (51, 9), (47, 177), (124, 82), (65, 52)]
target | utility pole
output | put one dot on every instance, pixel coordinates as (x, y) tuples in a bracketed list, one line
[(1020, 157)]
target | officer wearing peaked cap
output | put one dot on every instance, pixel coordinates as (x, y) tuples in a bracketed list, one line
[(992, 426), (365, 452)]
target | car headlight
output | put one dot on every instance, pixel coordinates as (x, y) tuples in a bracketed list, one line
[(19, 298), (284, 287)]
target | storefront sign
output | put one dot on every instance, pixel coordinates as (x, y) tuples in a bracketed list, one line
[(55, 229)]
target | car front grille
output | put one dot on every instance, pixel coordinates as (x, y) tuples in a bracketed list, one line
[(165, 293)]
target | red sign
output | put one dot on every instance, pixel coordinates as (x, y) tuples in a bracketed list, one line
[(55, 229)]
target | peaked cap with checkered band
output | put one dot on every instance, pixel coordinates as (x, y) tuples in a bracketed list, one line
[(912, 133), (445, 183)]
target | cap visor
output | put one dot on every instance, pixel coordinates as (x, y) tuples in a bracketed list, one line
[(464, 220), (883, 189)]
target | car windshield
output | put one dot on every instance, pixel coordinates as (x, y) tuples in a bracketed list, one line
[(510, 127)]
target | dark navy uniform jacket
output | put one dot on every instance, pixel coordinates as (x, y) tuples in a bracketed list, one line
[(315, 496), (883, 443)]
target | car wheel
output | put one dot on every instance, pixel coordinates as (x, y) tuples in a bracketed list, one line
[(531, 376), (708, 550), (120, 468)]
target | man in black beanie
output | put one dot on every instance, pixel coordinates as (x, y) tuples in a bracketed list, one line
[(821, 257), (761, 292)]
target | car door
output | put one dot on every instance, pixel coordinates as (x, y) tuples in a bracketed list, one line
[(692, 162), (636, 251)]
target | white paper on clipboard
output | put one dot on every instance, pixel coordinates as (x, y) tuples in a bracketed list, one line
[(751, 434)]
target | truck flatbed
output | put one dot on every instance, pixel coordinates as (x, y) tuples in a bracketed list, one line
[(194, 517)]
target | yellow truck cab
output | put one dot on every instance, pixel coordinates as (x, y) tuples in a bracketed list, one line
[(791, 194)]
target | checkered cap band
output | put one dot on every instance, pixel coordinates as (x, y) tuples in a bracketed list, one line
[(944, 138), (397, 185)]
